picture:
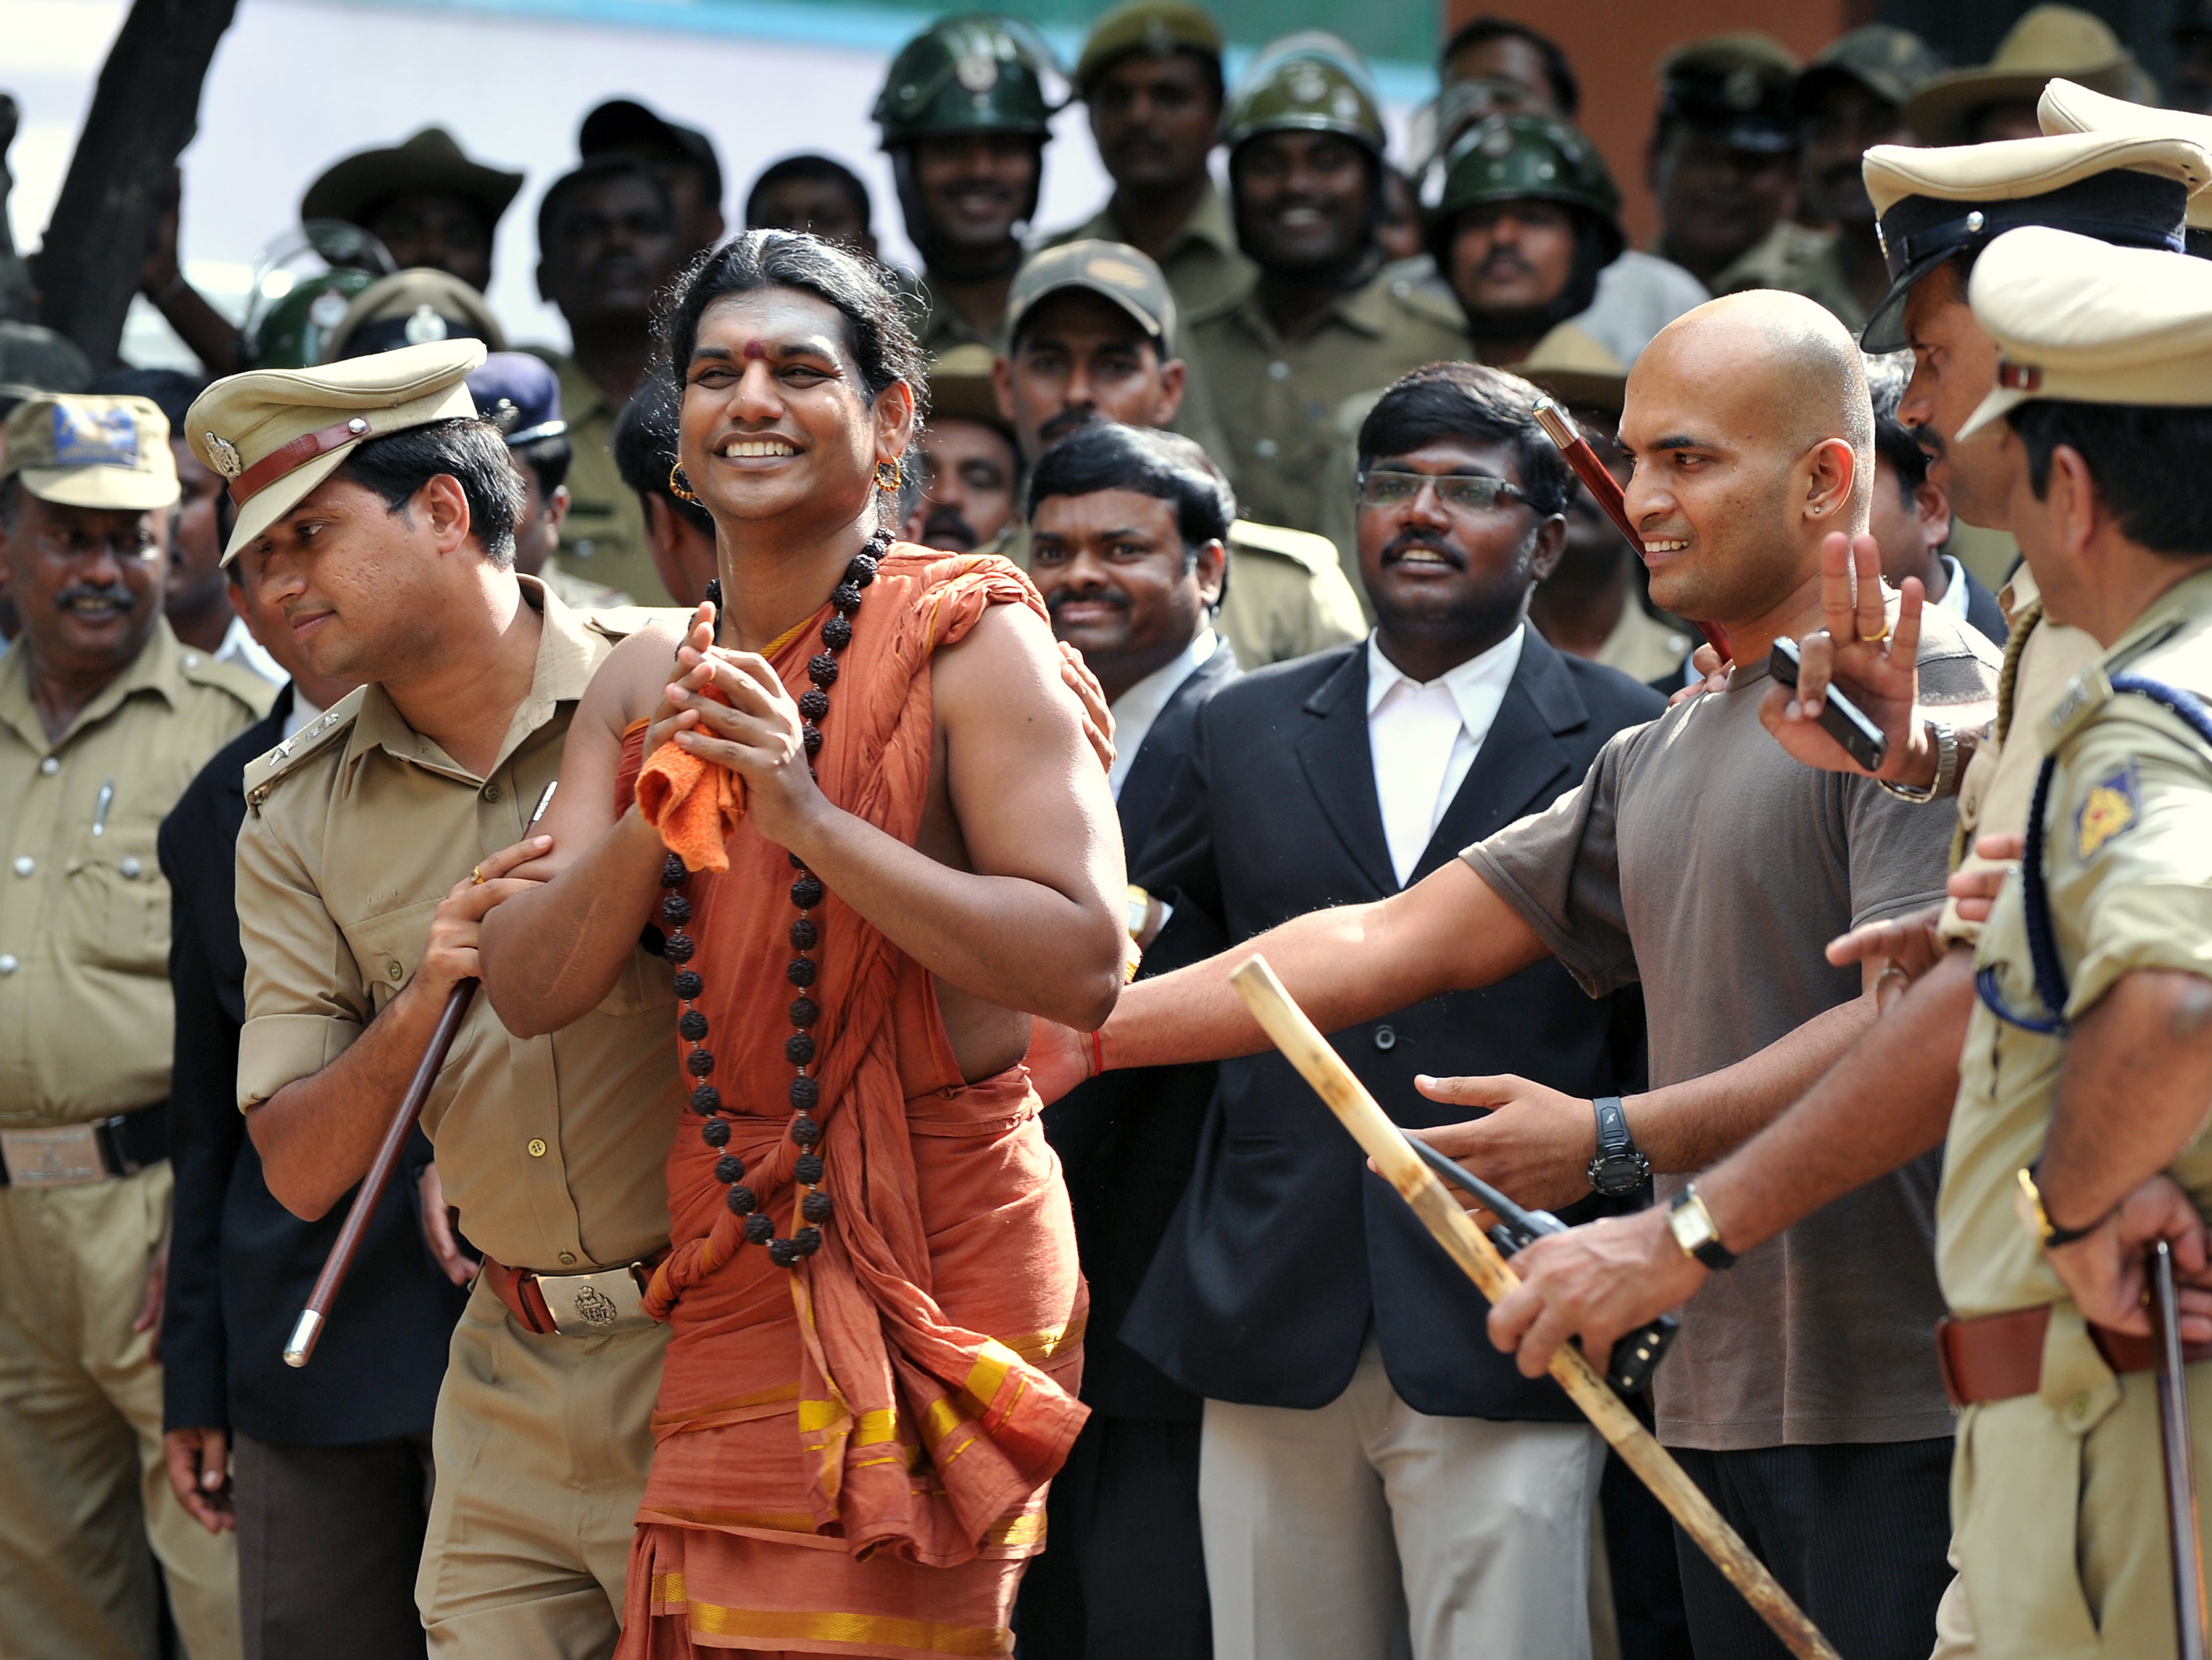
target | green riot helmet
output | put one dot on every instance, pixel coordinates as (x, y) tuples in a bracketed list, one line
[(1309, 81), (1520, 158), (304, 283), (970, 74)]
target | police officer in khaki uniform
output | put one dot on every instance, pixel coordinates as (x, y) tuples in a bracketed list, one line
[(2086, 1068), (1151, 74), (1848, 100), (1322, 319), (965, 108), (104, 720), (1091, 333), (375, 839)]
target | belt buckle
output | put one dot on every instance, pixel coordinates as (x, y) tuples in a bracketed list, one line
[(594, 1304), (66, 1156)]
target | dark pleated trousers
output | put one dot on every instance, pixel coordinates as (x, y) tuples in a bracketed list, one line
[(1856, 1534)]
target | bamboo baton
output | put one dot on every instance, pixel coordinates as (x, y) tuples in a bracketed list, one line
[(370, 1194), (2178, 1447), (1304, 1046), (1605, 490)]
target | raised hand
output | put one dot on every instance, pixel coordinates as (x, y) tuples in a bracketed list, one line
[(1857, 649)]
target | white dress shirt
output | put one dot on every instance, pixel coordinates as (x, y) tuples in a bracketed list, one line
[(239, 646), (1955, 593), (1423, 738), (1135, 709)]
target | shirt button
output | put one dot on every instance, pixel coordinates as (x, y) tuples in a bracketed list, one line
[(1279, 370), (1267, 449), (536, 1147), (7, 964), (25, 866), (50, 766), (392, 970), (491, 791), (131, 868), (566, 1257), (1386, 1037)]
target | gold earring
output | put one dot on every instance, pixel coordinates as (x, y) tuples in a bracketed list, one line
[(680, 485), (890, 477)]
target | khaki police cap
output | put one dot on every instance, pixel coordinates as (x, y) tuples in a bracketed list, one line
[(1576, 368), (1934, 205), (413, 308), (1156, 27), (961, 388), (2048, 40), (277, 434), (86, 451), (1121, 273), (2080, 319), (2068, 106)]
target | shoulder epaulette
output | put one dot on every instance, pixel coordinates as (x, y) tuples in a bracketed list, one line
[(1317, 553), (264, 772), (240, 681)]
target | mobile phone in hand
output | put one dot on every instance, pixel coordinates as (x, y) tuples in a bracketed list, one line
[(1840, 718)]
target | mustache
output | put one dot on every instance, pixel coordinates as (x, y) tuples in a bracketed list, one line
[(113, 593), (948, 522), (1398, 547), (1931, 442), (1074, 419), (1506, 261), (1060, 597)]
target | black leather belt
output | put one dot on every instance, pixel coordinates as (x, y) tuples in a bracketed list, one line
[(123, 1145)]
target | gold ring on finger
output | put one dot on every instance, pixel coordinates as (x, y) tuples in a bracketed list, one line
[(477, 877), (1877, 639)]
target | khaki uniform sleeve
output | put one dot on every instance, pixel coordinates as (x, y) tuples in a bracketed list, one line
[(2129, 851), (306, 998)]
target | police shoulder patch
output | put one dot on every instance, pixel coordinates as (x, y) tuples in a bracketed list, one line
[(2110, 811)]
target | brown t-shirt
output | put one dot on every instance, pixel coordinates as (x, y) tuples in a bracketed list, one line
[(1699, 860)]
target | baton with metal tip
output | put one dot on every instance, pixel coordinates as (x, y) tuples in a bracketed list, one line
[(1605, 490), (2174, 1441), (309, 1330), (1339, 1088), (1636, 1354)]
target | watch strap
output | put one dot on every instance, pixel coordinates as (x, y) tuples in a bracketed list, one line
[(1619, 1167), (1693, 1229)]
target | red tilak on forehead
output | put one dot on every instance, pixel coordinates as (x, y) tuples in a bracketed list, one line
[(754, 350)]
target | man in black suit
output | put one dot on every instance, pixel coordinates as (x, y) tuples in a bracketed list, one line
[(1129, 529), (331, 1463), (1368, 1465)]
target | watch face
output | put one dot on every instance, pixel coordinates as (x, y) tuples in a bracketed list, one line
[(1613, 1174)]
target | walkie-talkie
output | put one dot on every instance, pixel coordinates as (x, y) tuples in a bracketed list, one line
[(1636, 1354)]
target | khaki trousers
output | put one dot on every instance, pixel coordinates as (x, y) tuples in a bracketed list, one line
[(1363, 1529), (84, 1490), (541, 1446)]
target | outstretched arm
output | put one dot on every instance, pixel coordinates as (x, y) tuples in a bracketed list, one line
[(1450, 931)]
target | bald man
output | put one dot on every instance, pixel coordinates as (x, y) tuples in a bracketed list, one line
[(1803, 1393)]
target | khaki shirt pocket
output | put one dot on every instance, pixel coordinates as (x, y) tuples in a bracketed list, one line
[(387, 947), (115, 904)]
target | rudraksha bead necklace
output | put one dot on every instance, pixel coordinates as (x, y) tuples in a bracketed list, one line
[(806, 893)]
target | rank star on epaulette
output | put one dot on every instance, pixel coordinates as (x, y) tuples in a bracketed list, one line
[(2110, 810)]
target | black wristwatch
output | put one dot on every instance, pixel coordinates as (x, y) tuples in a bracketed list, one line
[(1618, 1168)]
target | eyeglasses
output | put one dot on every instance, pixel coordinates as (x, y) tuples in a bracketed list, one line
[(1464, 492)]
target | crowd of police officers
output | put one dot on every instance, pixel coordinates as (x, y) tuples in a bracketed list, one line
[(2061, 380)]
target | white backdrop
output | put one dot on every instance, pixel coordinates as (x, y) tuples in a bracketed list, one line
[(296, 84)]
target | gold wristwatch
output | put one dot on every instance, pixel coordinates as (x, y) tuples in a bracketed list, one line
[(1692, 1225)]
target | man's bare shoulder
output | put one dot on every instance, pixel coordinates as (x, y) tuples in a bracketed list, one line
[(1008, 657), (629, 684)]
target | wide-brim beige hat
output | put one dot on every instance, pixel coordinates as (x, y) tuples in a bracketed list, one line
[(1574, 367), (277, 434), (2079, 320), (961, 386), (2048, 41), (2068, 106)]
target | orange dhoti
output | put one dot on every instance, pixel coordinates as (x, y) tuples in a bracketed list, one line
[(852, 1456)]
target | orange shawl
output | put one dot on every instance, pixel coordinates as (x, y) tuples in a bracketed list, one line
[(852, 1457)]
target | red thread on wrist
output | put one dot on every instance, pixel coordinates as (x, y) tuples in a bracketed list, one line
[(1097, 1053)]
